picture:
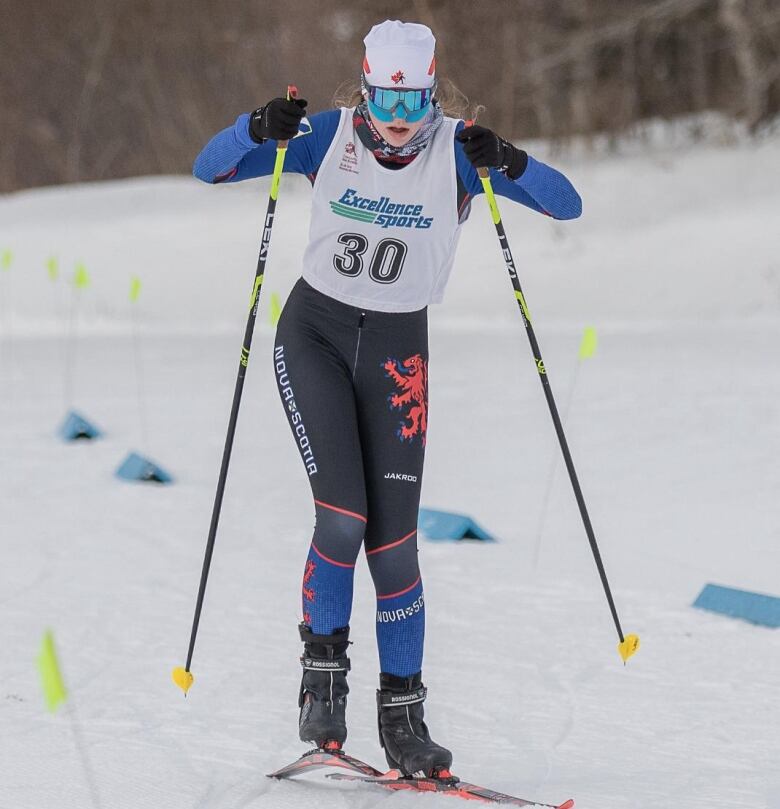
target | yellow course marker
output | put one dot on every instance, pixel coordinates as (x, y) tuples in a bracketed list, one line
[(135, 288), (51, 679), (276, 308), (53, 267), (629, 646), (6, 259), (80, 277), (183, 679), (589, 343)]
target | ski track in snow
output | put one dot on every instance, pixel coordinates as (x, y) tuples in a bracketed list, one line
[(674, 429)]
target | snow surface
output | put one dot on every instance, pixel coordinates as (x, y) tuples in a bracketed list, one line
[(674, 428)]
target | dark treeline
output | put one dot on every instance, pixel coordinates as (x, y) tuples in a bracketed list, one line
[(95, 89)]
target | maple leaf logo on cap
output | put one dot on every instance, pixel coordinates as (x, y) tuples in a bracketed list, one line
[(398, 77)]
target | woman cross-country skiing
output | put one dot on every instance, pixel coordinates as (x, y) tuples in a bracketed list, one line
[(392, 177)]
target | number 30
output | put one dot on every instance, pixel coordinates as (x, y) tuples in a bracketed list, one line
[(386, 263)]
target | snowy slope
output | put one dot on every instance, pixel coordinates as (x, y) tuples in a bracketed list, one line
[(685, 235), (674, 427)]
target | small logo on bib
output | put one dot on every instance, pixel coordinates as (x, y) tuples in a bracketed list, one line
[(383, 211), (349, 160)]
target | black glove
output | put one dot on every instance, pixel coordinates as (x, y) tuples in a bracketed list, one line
[(277, 120), (484, 148)]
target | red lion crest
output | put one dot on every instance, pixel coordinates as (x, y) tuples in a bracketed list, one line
[(398, 77), (411, 376)]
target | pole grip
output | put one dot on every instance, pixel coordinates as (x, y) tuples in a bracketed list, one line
[(281, 150), (292, 94)]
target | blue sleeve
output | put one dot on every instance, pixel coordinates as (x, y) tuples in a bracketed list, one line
[(231, 155), (539, 187)]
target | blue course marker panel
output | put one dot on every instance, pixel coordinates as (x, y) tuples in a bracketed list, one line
[(75, 428), (136, 467), (444, 525), (753, 607)]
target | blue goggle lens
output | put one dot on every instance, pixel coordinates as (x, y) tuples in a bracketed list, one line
[(388, 103)]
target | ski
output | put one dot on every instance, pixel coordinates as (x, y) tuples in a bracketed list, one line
[(446, 786), (325, 757)]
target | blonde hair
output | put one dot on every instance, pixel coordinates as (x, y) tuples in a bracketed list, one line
[(452, 101)]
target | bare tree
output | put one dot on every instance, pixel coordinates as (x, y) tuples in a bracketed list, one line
[(93, 89)]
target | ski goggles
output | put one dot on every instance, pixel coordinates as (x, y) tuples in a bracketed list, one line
[(387, 103)]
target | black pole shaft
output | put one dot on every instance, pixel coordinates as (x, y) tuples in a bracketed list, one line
[(247, 345), (548, 395)]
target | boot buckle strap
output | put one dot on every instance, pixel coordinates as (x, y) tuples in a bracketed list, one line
[(328, 665), (389, 699), (338, 636)]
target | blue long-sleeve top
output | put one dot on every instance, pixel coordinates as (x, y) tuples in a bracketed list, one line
[(231, 155)]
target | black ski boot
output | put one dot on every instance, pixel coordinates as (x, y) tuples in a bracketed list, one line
[(324, 689), (402, 733)]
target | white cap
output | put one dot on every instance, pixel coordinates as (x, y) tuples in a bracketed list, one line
[(400, 54)]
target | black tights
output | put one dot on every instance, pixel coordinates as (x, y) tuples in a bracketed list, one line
[(354, 384)]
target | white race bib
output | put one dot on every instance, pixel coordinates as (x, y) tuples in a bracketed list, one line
[(380, 238)]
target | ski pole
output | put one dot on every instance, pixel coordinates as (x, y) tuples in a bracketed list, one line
[(182, 676), (629, 643)]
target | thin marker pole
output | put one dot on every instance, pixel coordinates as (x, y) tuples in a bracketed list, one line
[(551, 473), (139, 369), (628, 645)]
